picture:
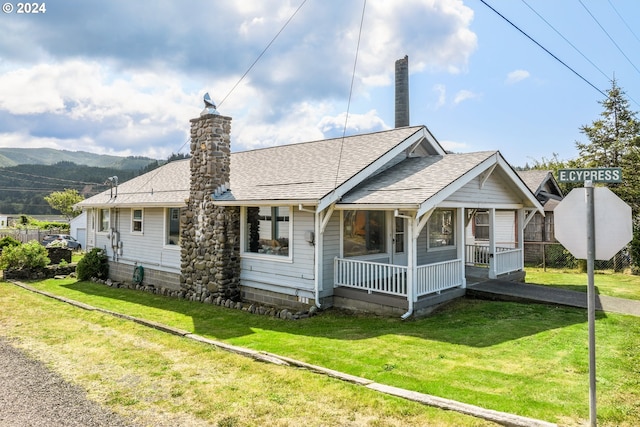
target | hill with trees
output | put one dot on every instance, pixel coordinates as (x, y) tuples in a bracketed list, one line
[(28, 175)]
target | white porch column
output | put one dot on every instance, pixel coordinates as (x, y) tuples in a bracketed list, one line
[(492, 243), (412, 256), (520, 215), (460, 243)]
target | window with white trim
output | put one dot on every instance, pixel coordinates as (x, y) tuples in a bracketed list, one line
[(172, 230), (103, 220), (440, 228), (137, 216), (481, 225), (363, 233), (268, 230)]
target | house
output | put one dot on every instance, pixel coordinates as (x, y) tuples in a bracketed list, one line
[(78, 228), (540, 230), (373, 222)]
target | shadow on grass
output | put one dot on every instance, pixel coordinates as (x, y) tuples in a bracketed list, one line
[(467, 321)]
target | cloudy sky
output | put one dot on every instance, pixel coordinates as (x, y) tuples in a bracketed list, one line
[(124, 77)]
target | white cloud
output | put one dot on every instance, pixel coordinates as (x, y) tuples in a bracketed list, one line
[(464, 95), (441, 90), (454, 146), (517, 76)]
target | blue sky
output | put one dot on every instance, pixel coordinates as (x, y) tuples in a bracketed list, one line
[(124, 77)]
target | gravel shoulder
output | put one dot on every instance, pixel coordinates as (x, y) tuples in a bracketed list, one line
[(33, 395)]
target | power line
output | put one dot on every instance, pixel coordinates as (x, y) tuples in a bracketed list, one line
[(545, 49), (565, 39), (353, 75), (623, 20), (263, 52), (608, 35)]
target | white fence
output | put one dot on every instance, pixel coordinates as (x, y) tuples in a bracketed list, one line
[(439, 276), (371, 276), (508, 261), (392, 279)]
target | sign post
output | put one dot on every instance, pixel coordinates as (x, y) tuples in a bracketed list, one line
[(612, 217)]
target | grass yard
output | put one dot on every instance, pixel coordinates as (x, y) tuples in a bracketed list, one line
[(606, 282), (527, 359), (161, 380)]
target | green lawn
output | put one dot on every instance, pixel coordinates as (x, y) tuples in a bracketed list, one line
[(606, 282), (527, 359)]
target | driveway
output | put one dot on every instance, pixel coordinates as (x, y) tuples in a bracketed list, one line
[(31, 395)]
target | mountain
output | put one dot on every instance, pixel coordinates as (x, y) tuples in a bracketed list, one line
[(48, 156), (23, 186)]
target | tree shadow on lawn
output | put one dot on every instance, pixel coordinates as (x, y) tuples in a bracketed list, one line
[(466, 321)]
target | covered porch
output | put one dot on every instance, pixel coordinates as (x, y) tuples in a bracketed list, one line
[(421, 286)]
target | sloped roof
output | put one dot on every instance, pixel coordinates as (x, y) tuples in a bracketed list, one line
[(166, 186), (415, 179), (543, 184), (307, 171)]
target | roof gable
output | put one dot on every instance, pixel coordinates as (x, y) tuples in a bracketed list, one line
[(312, 171)]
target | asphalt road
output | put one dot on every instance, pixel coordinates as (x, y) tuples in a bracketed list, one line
[(32, 395)]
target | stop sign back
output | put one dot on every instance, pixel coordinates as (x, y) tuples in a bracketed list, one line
[(613, 226)]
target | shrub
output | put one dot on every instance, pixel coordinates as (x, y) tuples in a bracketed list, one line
[(28, 255), (94, 264), (8, 241)]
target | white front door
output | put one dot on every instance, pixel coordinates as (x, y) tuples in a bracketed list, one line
[(399, 241)]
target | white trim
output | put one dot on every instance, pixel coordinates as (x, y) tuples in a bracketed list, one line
[(454, 230), (165, 229), (349, 184), (244, 253), (133, 221)]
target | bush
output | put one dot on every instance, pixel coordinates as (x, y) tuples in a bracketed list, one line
[(28, 255), (8, 241), (94, 264)]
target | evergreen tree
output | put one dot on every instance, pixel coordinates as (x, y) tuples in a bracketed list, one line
[(614, 141)]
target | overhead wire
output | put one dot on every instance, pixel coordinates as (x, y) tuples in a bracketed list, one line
[(263, 52), (623, 20), (544, 48), (353, 75), (609, 36)]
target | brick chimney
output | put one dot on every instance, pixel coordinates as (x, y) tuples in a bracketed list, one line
[(402, 92), (210, 234)]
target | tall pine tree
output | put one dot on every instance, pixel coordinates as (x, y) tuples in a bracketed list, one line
[(614, 141)]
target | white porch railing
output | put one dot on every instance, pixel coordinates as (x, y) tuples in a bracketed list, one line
[(508, 261), (371, 276), (479, 254), (439, 276), (392, 279)]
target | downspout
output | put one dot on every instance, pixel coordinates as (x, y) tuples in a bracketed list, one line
[(316, 253), (411, 261)]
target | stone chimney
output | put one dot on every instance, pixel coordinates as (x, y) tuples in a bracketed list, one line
[(402, 92), (210, 243)]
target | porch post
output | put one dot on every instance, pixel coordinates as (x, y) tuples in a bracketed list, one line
[(461, 236), (412, 239), (492, 243), (521, 225)]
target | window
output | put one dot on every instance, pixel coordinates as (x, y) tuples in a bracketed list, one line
[(441, 225), (363, 233), (268, 230), (173, 226), (482, 225), (136, 221), (103, 220)]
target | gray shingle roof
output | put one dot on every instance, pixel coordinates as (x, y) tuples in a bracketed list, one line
[(167, 185), (534, 179), (415, 180), (307, 171)]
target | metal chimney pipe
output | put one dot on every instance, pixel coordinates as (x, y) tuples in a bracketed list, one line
[(402, 92)]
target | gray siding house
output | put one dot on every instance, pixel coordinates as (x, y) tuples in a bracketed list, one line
[(374, 222)]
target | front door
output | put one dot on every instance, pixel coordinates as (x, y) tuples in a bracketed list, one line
[(399, 241)]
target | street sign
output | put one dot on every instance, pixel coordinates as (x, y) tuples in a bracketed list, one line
[(613, 227), (610, 175), (592, 231)]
